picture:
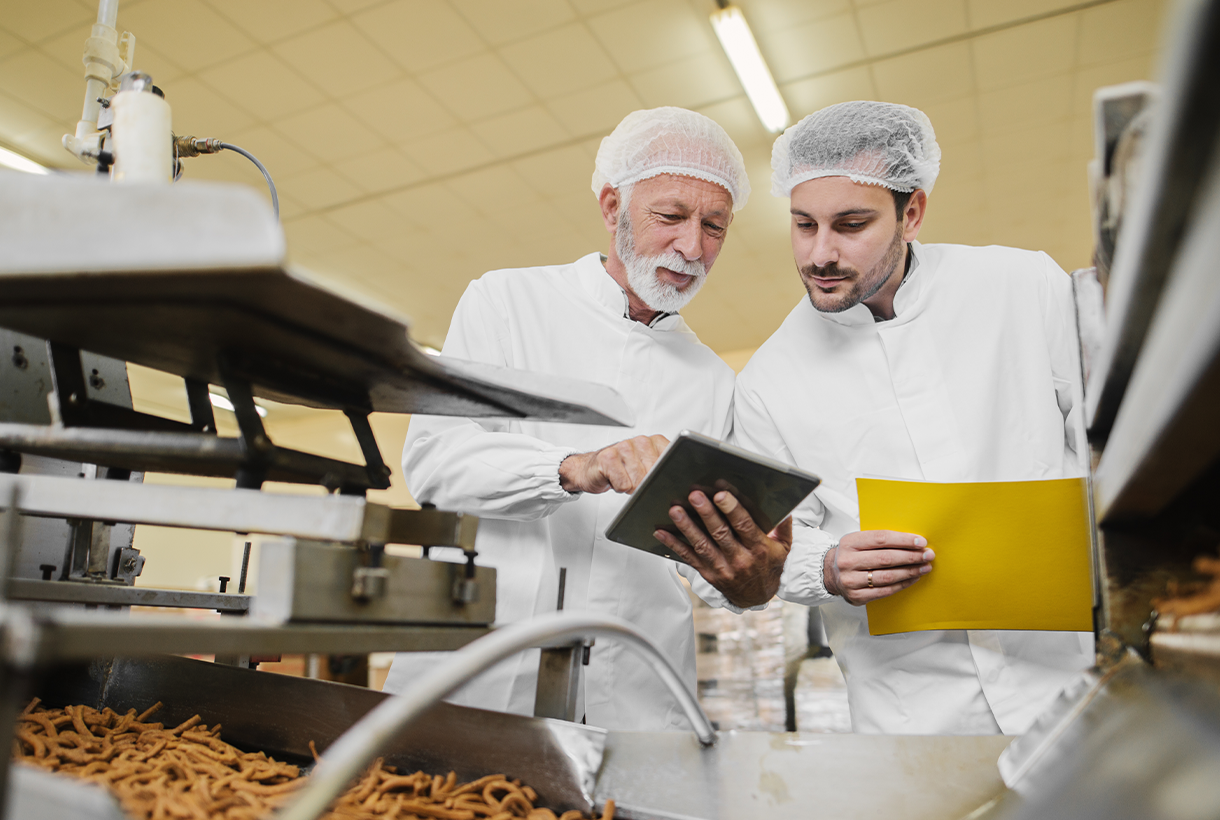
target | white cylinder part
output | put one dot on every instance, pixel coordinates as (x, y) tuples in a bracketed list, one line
[(142, 138)]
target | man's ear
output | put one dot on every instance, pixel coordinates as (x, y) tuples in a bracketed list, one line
[(912, 216), (610, 202)]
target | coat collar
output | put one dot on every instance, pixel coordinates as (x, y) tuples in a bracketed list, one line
[(599, 284)]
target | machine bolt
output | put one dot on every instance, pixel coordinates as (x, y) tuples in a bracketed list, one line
[(129, 565), (224, 583)]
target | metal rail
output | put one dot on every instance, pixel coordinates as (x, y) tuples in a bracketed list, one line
[(360, 744)]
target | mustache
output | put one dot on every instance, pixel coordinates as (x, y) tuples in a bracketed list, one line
[(831, 271), (677, 263)]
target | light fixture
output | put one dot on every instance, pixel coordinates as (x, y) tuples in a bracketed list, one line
[(224, 404), (11, 159), (430, 350), (739, 44)]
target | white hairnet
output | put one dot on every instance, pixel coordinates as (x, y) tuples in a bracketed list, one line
[(670, 141), (871, 142)]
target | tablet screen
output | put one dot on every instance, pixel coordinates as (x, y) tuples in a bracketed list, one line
[(768, 489)]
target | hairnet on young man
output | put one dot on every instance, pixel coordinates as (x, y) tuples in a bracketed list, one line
[(875, 143), (670, 141)]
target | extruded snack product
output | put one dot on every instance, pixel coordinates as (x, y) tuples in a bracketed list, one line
[(189, 772)]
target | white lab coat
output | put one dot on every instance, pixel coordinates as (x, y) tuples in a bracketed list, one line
[(569, 320), (973, 380)]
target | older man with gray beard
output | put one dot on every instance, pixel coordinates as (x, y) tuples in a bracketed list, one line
[(667, 182)]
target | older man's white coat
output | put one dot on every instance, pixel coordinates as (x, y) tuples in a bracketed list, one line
[(569, 320)]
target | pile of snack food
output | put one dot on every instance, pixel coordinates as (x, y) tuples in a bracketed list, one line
[(187, 771)]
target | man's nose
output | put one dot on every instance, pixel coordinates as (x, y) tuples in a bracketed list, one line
[(824, 250), (689, 242)]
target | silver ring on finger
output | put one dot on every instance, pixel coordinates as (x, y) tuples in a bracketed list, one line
[(870, 579)]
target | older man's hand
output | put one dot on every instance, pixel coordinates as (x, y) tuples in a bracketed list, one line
[(620, 467), (739, 559), (875, 564)]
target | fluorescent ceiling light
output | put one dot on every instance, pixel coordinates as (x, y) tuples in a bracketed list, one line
[(739, 44), (12, 159), (224, 404), (430, 350)]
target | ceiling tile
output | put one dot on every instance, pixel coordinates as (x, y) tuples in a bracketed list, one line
[(897, 25), (691, 82), (476, 87), (925, 77), (592, 7), (985, 13), (652, 33), (40, 19), (291, 207), (778, 15), (353, 6), (370, 220), (188, 32), (420, 34), (400, 111), (955, 121), (199, 110), (448, 151), (1043, 144), (429, 206), (45, 146), (806, 96), (493, 189), (17, 119), (315, 235), (500, 22), (1119, 30), (559, 61), (557, 172), (163, 70), (1041, 49), (261, 82), (595, 110), (283, 157), (44, 84), (10, 45), (807, 49), (269, 21), (319, 188), (381, 170), (528, 129), (1032, 103), (316, 55), (329, 132), (737, 118)]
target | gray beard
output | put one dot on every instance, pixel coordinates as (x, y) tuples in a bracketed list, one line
[(642, 271)]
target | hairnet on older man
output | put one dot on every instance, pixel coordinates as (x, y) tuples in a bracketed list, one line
[(875, 143), (670, 141)]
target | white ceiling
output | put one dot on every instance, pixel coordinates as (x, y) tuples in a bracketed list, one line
[(418, 143)]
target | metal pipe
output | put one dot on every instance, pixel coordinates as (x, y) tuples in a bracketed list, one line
[(360, 744), (107, 12)]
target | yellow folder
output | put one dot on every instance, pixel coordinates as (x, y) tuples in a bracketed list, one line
[(1009, 554)]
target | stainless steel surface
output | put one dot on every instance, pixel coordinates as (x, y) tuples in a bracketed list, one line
[(364, 741), (1145, 746), (1180, 144), (748, 775), (192, 273), (304, 581), (1165, 434), (560, 670), (69, 634), (338, 518), (65, 592), (280, 715), (36, 794)]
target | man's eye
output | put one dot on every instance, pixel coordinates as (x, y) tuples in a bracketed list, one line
[(804, 226), (853, 226), (713, 228)]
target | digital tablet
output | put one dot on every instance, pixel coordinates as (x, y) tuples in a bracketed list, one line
[(768, 489)]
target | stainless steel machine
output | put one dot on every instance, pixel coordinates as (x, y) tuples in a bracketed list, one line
[(191, 280)]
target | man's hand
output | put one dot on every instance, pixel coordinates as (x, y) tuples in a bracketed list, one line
[(875, 564), (619, 467), (739, 559)]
